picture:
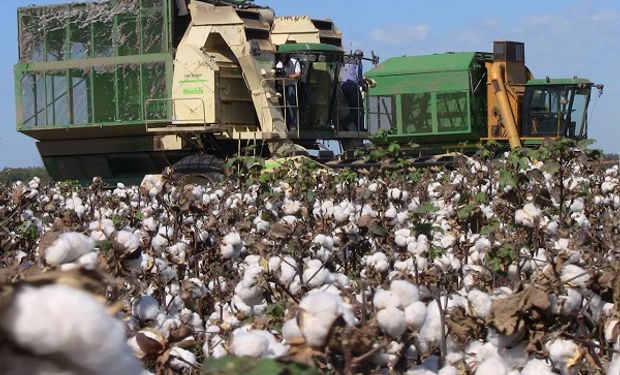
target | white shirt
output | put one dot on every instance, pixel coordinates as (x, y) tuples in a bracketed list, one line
[(293, 67)]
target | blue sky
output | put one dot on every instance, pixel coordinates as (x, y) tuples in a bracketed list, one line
[(563, 38)]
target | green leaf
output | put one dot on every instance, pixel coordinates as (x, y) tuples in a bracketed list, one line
[(465, 212), (426, 208), (584, 144), (551, 167), (506, 178), (310, 196), (482, 198)]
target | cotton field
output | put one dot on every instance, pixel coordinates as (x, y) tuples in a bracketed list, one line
[(500, 266)]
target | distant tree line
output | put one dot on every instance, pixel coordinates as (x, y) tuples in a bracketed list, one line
[(11, 175)]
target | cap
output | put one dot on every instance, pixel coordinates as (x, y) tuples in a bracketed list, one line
[(358, 52)]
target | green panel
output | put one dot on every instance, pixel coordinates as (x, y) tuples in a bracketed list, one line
[(56, 42), (129, 93), (102, 39), (558, 81), (128, 35), (408, 65), (57, 98), (81, 103), (93, 64), (154, 87), (452, 112), (104, 93), (80, 41), (427, 82), (417, 113), (307, 47)]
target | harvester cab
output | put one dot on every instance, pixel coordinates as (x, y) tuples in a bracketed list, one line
[(556, 108)]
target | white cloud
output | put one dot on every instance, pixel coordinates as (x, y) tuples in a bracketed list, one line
[(400, 35)]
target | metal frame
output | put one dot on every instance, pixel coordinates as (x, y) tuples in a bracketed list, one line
[(89, 63)]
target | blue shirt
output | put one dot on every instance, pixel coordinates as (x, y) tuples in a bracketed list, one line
[(353, 73)]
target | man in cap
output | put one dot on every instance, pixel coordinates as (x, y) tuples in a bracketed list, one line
[(352, 84)]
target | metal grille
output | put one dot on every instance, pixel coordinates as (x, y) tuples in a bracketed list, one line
[(417, 113), (93, 63), (452, 111)]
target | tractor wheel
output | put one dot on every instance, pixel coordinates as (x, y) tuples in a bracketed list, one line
[(199, 169)]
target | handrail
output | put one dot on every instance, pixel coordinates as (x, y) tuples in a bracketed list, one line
[(286, 105)]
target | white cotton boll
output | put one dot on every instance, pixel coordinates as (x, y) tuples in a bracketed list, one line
[(319, 311), (607, 187), (231, 245), (401, 241), (537, 367), (75, 327), (290, 330), (89, 259), (571, 302), (415, 315), (68, 247), (492, 366), (150, 224), (392, 321), (527, 215), (181, 359), (482, 245), (610, 330), (430, 333), (288, 270), (448, 370), (561, 352), (316, 276), (340, 214), (146, 308), (128, 240), (407, 292), (391, 213), (575, 276), (384, 299), (479, 303), (577, 205), (274, 263), (248, 344)]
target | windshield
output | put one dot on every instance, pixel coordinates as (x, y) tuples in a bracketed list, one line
[(555, 111), (317, 87)]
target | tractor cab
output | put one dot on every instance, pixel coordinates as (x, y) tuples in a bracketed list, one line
[(308, 103), (556, 108)]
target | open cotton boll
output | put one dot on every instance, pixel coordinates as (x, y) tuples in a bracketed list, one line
[(430, 333), (57, 320), (231, 245), (537, 366), (575, 276), (407, 292), (182, 359), (392, 321), (492, 366), (479, 303), (384, 299), (290, 330), (527, 215), (318, 311), (248, 344), (128, 240), (415, 315), (561, 352), (68, 247), (146, 308)]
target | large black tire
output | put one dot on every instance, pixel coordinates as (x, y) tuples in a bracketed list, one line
[(199, 168)]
